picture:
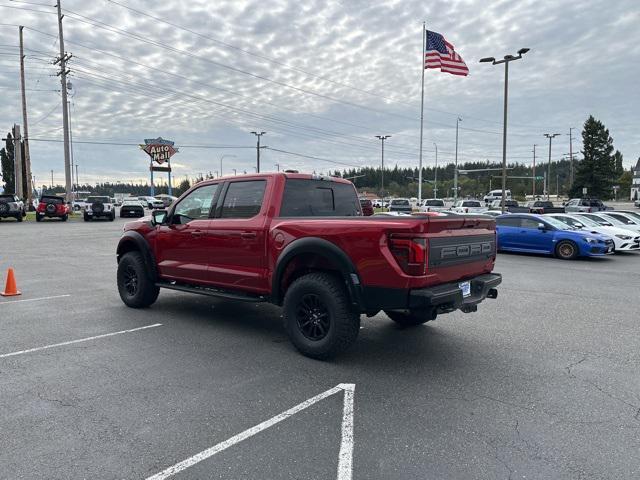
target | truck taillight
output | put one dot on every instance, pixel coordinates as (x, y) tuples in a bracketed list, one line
[(410, 253)]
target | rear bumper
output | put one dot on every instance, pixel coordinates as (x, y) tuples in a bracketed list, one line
[(448, 297), (441, 298)]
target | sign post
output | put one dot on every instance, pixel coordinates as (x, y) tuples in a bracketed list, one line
[(159, 151)]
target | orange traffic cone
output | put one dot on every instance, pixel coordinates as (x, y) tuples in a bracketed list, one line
[(11, 289)]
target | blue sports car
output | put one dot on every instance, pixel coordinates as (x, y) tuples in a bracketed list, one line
[(540, 234)]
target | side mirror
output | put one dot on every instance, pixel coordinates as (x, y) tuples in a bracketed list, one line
[(579, 225), (158, 217), (542, 226)]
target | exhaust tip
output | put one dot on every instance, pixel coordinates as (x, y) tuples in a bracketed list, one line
[(492, 293)]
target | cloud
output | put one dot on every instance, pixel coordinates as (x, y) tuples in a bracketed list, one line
[(321, 77)]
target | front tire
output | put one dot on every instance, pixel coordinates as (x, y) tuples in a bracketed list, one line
[(136, 288), (410, 318), (38, 217), (87, 218), (19, 218), (64, 218), (567, 250), (318, 317)]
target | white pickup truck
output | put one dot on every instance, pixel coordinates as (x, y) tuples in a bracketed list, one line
[(468, 206)]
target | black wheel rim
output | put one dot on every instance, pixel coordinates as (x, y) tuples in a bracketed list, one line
[(312, 317), (130, 281)]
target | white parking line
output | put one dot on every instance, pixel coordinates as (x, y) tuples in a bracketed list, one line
[(87, 339), (33, 299), (346, 445)]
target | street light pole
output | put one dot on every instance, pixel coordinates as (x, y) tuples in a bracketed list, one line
[(455, 172), (435, 177), (258, 150), (533, 177), (221, 158), (548, 180), (505, 60), (382, 139)]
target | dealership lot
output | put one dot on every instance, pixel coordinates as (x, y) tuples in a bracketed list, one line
[(541, 383)]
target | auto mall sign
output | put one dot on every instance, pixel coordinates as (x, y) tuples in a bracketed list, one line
[(159, 149)]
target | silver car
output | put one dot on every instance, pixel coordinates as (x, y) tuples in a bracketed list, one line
[(585, 205), (12, 206)]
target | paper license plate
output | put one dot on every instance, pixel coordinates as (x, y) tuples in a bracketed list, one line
[(466, 288)]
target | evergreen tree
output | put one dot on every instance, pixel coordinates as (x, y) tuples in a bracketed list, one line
[(597, 170), (617, 159), (8, 173)]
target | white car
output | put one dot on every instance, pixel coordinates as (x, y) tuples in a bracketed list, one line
[(99, 207), (432, 205), (608, 221), (151, 202), (468, 206), (623, 239)]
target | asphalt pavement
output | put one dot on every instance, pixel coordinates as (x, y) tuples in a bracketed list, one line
[(541, 383)]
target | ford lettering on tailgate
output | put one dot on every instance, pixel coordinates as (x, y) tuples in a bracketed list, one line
[(453, 250)]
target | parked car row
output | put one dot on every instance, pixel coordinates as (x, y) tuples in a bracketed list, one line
[(569, 235)]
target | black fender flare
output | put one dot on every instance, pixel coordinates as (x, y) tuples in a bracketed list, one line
[(134, 241), (331, 252)]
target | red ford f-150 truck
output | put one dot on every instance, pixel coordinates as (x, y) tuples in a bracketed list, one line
[(301, 242)]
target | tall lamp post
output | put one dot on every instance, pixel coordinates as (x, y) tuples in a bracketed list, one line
[(258, 150), (548, 181), (455, 172), (382, 139), (223, 157), (435, 176), (505, 60)]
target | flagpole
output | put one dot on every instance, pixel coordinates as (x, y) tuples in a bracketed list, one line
[(424, 38)]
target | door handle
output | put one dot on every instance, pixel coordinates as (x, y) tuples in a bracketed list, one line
[(248, 234), (196, 233)]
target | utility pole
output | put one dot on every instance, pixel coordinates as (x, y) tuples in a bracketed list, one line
[(278, 166), (17, 161), (77, 181), (258, 150), (382, 139), (570, 158), (435, 177), (533, 177), (27, 157), (71, 146), (550, 136), (455, 172), (62, 60), (51, 179)]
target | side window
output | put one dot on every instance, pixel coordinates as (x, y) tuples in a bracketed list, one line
[(508, 222), (529, 223), (196, 205), (243, 199)]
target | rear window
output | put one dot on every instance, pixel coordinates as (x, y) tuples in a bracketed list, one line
[(434, 203), (99, 199), (319, 198), (7, 198), (400, 202), (470, 204), (57, 200)]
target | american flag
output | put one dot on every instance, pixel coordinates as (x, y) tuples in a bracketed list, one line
[(440, 54)]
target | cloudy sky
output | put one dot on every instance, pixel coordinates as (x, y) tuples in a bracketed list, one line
[(322, 78)]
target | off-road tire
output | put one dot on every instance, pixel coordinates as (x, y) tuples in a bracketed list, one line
[(566, 250), (336, 326), (112, 217), (64, 218), (19, 217), (410, 318), (135, 286), (87, 218), (38, 217)]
